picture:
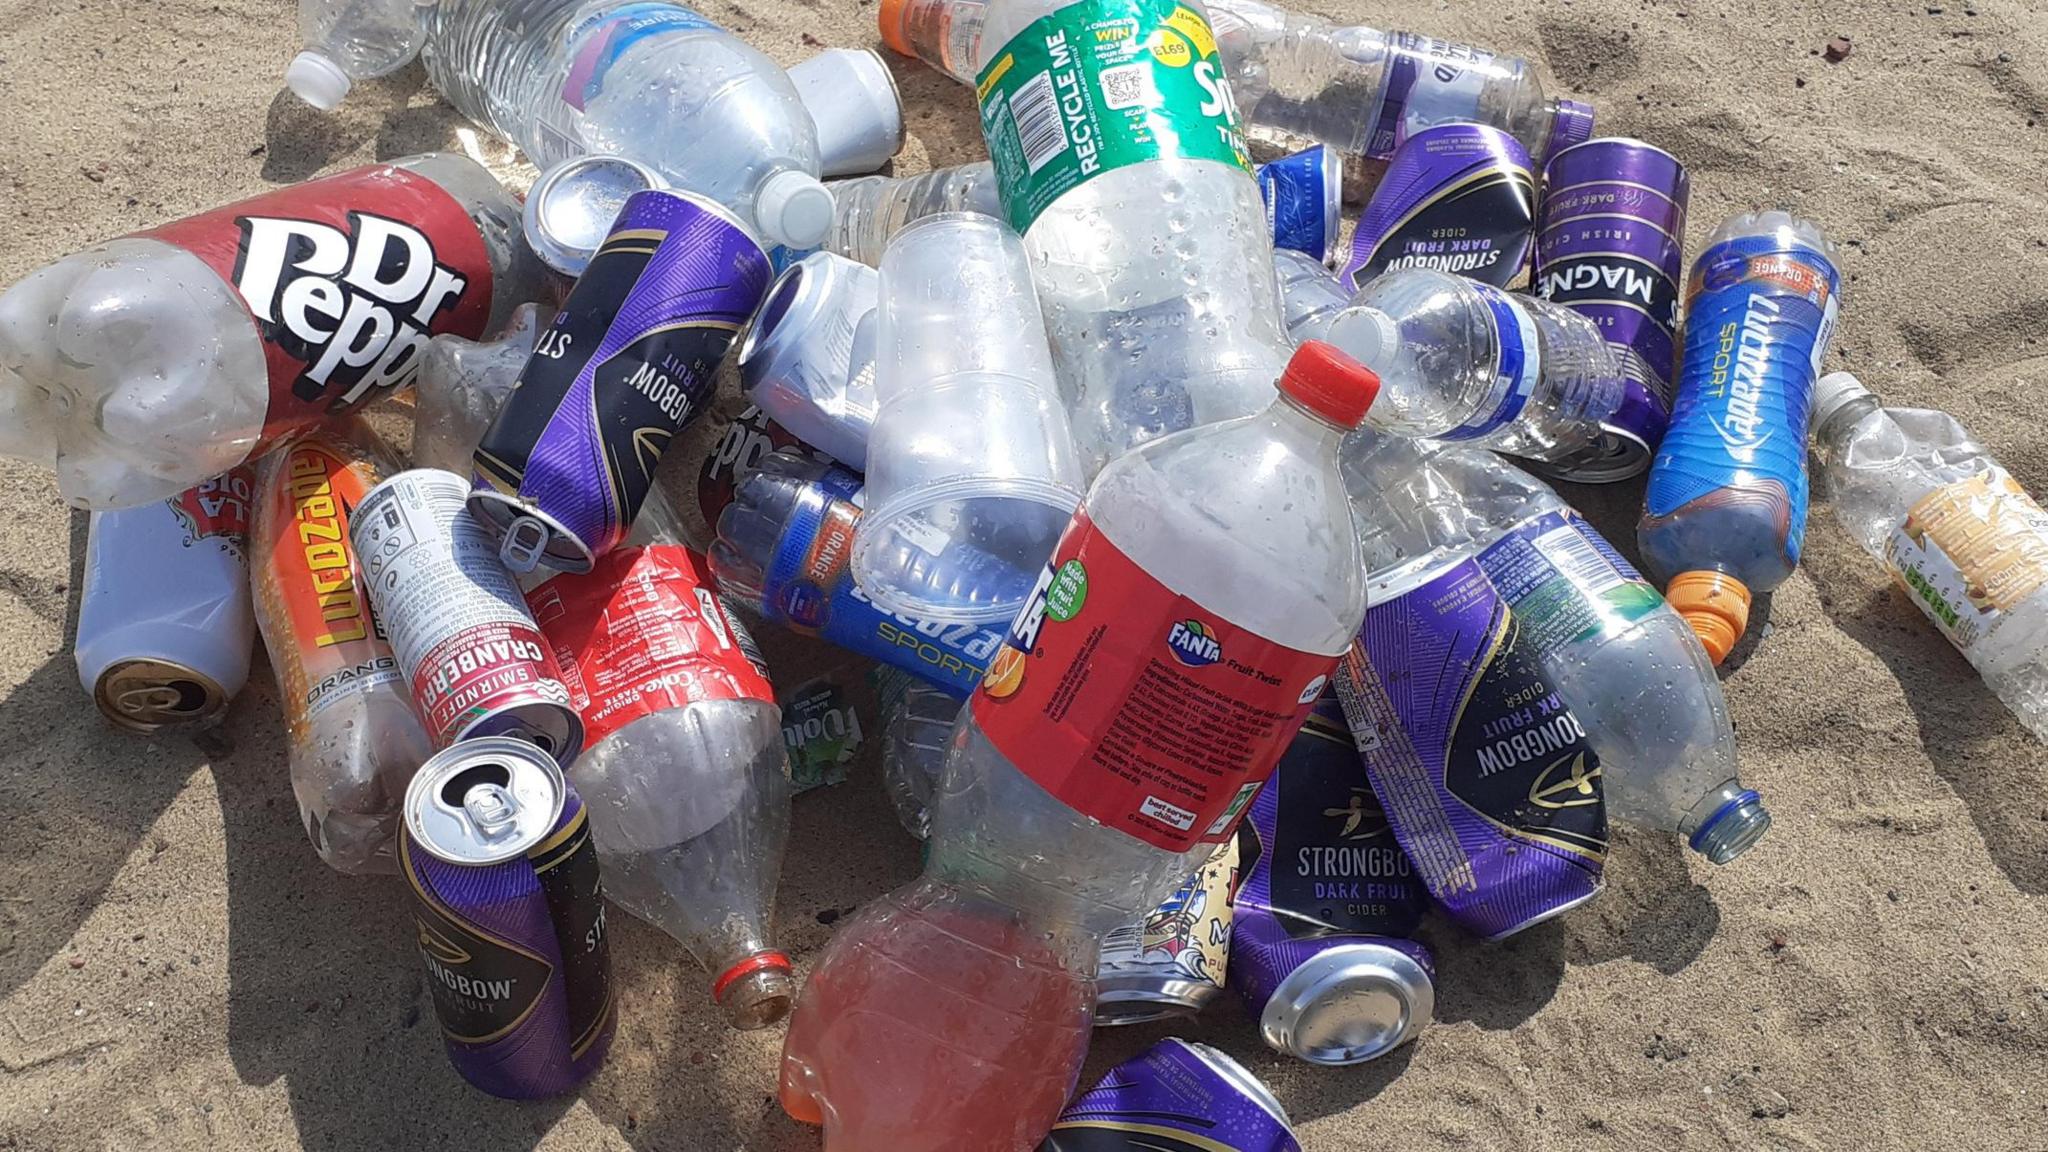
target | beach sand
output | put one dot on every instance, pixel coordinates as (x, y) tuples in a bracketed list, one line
[(178, 971)]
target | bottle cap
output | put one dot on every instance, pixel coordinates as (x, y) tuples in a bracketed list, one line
[(1571, 122), (794, 210), (1329, 383), (1832, 392), (889, 15), (853, 100), (1366, 334), (1716, 605), (317, 80), (570, 209)]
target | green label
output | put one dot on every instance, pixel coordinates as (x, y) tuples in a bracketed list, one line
[(1068, 593), (1098, 85), (822, 731)]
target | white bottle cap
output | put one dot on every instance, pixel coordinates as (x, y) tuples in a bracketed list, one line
[(793, 209), (1367, 334), (853, 100), (1832, 392), (318, 81)]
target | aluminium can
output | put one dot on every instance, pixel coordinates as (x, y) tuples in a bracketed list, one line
[(1304, 194), (631, 359), (510, 917), (1174, 960), (1458, 198), (472, 656), (1178, 1096)]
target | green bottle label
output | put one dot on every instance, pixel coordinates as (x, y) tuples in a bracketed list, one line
[(1099, 85)]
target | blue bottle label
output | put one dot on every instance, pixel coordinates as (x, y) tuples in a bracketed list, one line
[(607, 36)]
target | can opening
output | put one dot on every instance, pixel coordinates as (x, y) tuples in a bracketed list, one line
[(780, 296), (459, 786)]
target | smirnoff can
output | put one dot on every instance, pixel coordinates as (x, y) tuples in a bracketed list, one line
[(165, 624), (631, 358), (1178, 1096), (509, 917), (1457, 198), (1174, 960), (475, 661)]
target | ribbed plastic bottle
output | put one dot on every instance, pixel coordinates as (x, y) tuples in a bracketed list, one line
[(917, 727), (867, 211), (651, 81), (1353, 88), (350, 40), (1965, 541), (1460, 360), (1145, 228), (1627, 666), (1210, 577), (1725, 509)]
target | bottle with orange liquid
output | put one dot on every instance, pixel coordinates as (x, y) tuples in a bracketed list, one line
[(1183, 629)]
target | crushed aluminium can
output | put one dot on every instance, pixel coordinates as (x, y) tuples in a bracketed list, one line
[(1174, 960), (472, 655), (1177, 1096), (509, 917), (1304, 194), (1321, 953), (1457, 198), (630, 359), (1611, 247)]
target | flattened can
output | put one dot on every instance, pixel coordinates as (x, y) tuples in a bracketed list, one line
[(475, 661), (1177, 1096), (1457, 198), (631, 358), (509, 917), (165, 624), (1611, 247), (1174, 960), (1320, 952), (1304, 195)]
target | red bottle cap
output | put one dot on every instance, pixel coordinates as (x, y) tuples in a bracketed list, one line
[(1322, 379)]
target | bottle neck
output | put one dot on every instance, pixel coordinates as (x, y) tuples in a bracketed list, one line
[(1831, 434), (1310, 430)]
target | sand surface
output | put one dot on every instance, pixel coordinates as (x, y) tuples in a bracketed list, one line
[(178, 971)]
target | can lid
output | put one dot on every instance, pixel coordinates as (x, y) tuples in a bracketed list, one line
[(1328, 382), (485, 800), (571, 207), (1834, 391), (1349, 1004), (150, 695)]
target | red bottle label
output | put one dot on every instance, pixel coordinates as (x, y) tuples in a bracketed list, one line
[(347, 279), (642, 632), (1137, 706)]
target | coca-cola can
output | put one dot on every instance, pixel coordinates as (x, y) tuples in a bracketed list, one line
[(472, 655)]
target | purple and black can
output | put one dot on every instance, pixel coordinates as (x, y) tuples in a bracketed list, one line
[(631, 358), (1486, 774), (1304, 194), (1320, 953), (1177, 1096), (1611, 247), (510, 917), (1458, 198)]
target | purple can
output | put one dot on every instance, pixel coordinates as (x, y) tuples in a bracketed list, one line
[(1177, 1096), (1319, 951), (1487, 776), (631, 358), (510, 918), (1457, 198), (1611, 247)]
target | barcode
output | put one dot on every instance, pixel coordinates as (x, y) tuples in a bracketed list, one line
[(1580, 562), (1035, 111)]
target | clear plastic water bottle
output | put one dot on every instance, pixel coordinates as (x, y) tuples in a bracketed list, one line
[(1216, 569), (351, 40), (1958, 533), (1461, 360), (1628, 667), (1145, 228), (1354, 88), (917, 728), (462, 385), (653, 82), (866, 212)]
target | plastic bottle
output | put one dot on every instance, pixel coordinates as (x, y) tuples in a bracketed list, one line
[(866, 212), (1725, 510), (954, 1013), (1354, 88), (139, 369), (351, 40), (917, 727), (651, 81), (1146, 231), (462, 385), (1958, 533), (1461, 360), (1634, 675)]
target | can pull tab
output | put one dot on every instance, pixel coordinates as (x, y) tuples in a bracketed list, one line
[(525, 539), (491, 810)]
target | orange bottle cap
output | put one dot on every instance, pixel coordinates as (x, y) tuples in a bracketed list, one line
[(1717, 607), (890, 14)]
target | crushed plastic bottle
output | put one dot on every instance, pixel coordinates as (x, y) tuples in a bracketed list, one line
[(653, 82), (351, 40), (462, 385), (917, 728)]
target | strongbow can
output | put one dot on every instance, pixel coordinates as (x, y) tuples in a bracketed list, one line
[(510, 918), (1458, 198), (164, 623), (1611, 247), (1178, 1096), (476, 663), (629, 360), (1174, 960)]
